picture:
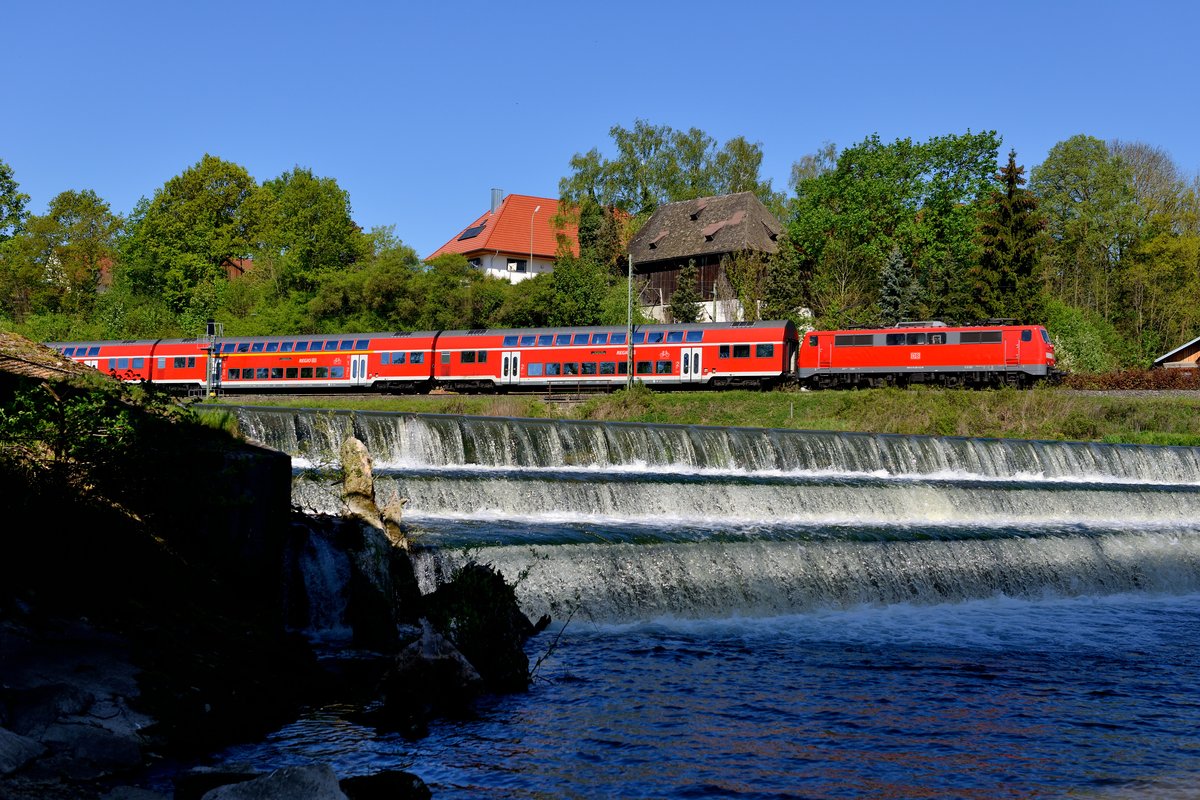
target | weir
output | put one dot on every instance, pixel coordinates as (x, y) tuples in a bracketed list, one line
[(618, 521)]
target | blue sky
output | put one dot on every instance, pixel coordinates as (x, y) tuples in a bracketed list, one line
[(419, 109)]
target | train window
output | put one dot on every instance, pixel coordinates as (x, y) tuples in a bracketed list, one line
[(894, 339), (445, 358), (276, 373), (256, 347), (581, 338), (361, 344), (608, 368), (481, 356), (416, 358), (234, 374), (122, 363), (723, 352), (617, 338), (599, 338), (915, 338), (589, 367), (138, 363), (639, 337), (385, 358), (622, 367), (330, 346), (554, 369), (937, 338), (571, 368), (347, 344), (674, 337), (261, 373), (95, 351), (741, 351), (562, 338), (643, 368), (1026, 336), (398, 358), (854, 340), (510, 340), (337, 372), (466, 357), (812, 341), (286, 347), (979, 337), (535, 370), (162, 363), (322, 372), (654, 337), (301, 347), (306, 372), (243, 347), (694, 336), (545, 339), (290, 372), (662, 367), (313, 347), (687, 365), (527, 340), (68, 351), (764, 350), (1045, 336), (272, 347)]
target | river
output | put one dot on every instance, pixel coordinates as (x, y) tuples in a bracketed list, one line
[(751, 613)]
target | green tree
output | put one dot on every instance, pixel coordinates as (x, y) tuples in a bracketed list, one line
[(685, 301), (12, 203), (1087, 196), (898, 290), (178, 240), (655, 164), (1011, 236)]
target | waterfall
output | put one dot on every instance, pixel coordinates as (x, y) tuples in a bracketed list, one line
[(621, 521)]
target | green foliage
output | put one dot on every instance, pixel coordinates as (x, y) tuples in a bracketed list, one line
[(656, 164), (684, 305), (898, 290), (12, 204), (1084, 341), (1011, 238)]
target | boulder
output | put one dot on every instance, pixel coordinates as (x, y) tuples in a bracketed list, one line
[(387, 785), (16, 751), (313, 782)]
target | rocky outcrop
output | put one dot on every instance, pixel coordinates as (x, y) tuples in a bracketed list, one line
[(358, 493), (313, 782)]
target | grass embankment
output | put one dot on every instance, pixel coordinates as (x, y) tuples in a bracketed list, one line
[(1044, 413)]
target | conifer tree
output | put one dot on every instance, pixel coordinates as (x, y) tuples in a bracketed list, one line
[(897, 289), (684, 306), (1011, 235)]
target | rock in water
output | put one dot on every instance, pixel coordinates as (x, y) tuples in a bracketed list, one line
[(314, 782)]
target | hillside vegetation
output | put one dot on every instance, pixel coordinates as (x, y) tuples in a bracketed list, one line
[(1047, 413)]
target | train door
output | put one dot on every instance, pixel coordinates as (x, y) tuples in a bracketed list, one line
[(1012, 348), (510, 367), (824, 352), (690, 370), (358, 370)]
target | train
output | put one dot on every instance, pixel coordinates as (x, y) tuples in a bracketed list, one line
[(760, 354)]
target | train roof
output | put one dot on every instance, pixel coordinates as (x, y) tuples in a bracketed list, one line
[(655, 326)]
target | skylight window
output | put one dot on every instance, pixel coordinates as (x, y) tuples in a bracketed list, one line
[(471, 233)]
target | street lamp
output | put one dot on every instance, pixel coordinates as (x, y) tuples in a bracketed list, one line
[(531, 216), (629, 328)]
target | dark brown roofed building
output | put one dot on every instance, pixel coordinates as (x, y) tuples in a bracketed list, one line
[(706, 231), (1186, 356)]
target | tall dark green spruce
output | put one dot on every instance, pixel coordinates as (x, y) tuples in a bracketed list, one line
[(1011, 235), (685, 302)]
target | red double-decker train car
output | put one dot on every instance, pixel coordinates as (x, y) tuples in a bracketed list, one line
[(568, 358), (927, 352)]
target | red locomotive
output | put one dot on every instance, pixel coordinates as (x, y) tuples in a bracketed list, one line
[(712, 355), (927, 352)]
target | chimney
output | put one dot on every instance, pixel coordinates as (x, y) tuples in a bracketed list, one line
[(497, 196)]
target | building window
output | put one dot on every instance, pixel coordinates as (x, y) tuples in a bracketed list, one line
[(475, 262), (517, 265)]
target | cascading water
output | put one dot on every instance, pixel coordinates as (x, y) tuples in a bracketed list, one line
[(762, 613), (632, 521)]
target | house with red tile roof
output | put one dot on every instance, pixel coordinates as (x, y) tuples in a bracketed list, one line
[(515, 239)]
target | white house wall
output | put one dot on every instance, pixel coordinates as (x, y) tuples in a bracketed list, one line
[(496, 265)]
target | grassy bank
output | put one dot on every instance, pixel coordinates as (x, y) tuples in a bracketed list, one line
[(1046, 413)]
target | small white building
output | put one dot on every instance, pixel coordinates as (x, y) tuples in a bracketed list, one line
[(515, 239)]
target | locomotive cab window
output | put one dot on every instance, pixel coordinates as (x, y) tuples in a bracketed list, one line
[(812, 341), (1026, 336)]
